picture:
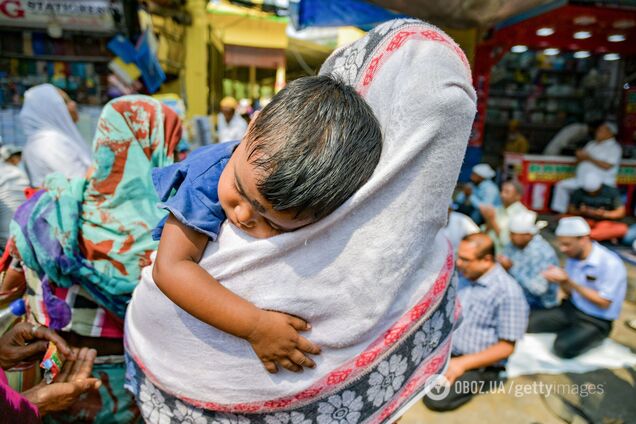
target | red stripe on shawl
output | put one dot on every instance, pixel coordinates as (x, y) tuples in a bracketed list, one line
[(398, 41), (108, 185)]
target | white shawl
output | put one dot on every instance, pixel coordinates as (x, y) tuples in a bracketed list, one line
[(372, 278)]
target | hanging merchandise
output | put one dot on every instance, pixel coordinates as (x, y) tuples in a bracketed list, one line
[(132, 62), (151, 71)]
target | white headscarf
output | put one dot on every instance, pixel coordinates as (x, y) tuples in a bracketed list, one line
[(54, 143)]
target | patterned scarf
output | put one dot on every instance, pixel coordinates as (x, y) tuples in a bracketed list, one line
[(96, 231)]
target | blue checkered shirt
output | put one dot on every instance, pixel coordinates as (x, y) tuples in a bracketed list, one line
[(527, 265), (493, 309)]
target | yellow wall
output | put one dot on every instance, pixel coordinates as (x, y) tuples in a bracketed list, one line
[(196, 62), (250, 31), (347, 35)]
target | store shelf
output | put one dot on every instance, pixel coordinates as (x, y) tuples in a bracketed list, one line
[(56, 58)]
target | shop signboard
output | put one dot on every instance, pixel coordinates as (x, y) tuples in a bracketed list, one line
[(89, 15), (538, 174)]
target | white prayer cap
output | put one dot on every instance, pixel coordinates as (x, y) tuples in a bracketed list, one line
[(592, 182), (9, 150), (573, 226), (612, 126), (523, 223), (484, 170)]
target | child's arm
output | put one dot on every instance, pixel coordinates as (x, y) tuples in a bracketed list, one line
[(273, 335)]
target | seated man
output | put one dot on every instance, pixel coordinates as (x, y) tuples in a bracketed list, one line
[(458, 227), (595, 280), (480, 191), (602, 208), (526, 257), (600, 156), (495, 315), (497, 218)]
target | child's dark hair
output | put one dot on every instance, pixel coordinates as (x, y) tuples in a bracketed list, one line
[(314, 146)]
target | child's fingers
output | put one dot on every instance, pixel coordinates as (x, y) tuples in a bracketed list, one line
[(299, 324), (287, 364), (270, 367), (305, 345), (300, 359)]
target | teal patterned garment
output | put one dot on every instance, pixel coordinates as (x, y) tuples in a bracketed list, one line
[(96, 231)]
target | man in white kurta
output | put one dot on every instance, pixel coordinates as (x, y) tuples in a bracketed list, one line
[(230, 125), (600, 156)]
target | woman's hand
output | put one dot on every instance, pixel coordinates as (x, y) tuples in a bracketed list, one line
[(275, 340), (28, 342), (73, 380)]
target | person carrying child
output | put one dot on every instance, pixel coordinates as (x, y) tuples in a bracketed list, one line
[(304, 155)]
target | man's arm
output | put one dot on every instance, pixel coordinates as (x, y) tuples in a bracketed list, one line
[(487, 357), (584, 155), (560, 276), (588, 293), (601, 164), (616, 214)]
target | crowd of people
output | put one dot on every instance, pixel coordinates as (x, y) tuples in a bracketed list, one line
[(78, 249), (512, 282)]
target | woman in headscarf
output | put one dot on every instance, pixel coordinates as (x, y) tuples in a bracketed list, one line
[(84, 241), (54, 143)]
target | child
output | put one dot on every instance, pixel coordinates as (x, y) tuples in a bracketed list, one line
[(305, 154)]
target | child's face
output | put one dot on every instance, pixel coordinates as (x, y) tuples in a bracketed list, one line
[(245, 207)]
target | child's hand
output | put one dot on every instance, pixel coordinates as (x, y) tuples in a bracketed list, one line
[(275, 339)]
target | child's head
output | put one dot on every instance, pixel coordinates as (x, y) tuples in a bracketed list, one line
[(305, 154)]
